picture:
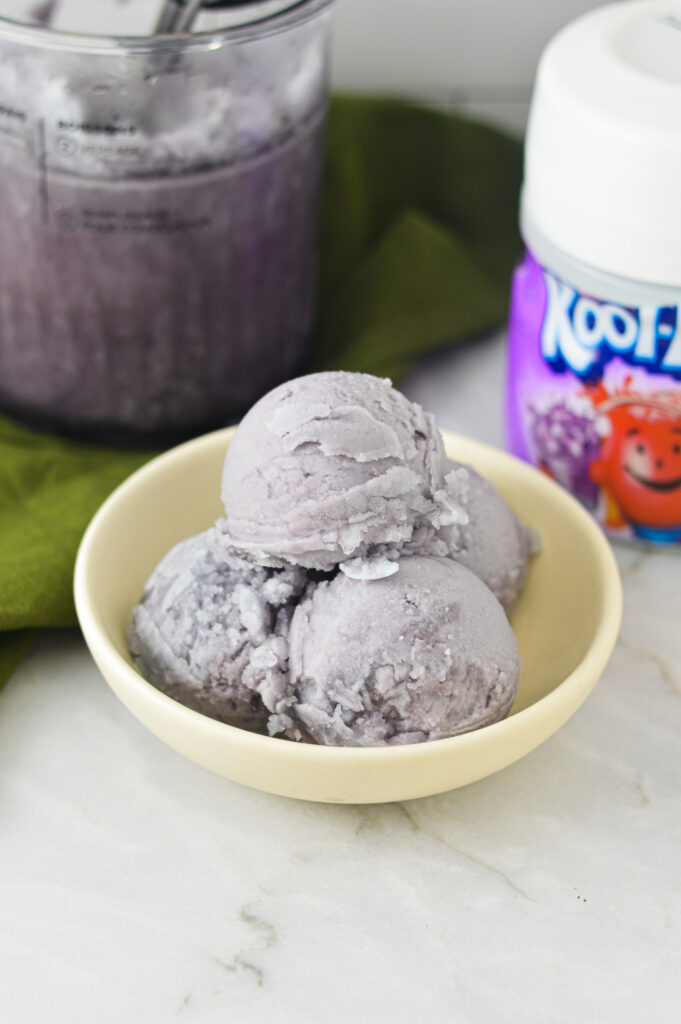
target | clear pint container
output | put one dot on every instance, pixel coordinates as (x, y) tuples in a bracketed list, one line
[(158, 220)]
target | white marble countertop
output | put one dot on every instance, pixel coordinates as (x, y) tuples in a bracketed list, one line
[(136, 887)]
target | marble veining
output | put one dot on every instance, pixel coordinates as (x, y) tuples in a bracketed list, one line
[(461, 853), (135, 886)]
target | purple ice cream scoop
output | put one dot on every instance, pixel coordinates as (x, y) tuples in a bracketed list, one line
[(334, 468), (493, 543), (423, 654), (211, 636)]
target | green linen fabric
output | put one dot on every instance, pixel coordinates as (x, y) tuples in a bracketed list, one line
[(419, 239)]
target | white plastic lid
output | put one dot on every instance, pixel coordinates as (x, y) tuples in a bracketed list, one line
[(603, 149)]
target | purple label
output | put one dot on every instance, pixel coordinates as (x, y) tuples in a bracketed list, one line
[(594, 401)]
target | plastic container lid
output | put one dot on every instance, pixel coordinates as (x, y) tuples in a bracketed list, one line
[(603, 150)]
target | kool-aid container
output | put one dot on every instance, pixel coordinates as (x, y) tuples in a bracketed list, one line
[(594, 366)]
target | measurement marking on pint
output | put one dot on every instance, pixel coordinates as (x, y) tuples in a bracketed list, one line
[(42, 163)]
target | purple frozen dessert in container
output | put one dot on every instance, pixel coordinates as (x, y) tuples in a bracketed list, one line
[(420, 655), (357, 592), (594, 365), (158, 217)]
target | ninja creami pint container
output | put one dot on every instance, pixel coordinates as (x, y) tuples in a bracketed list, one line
[(158, 214), (594, 372)]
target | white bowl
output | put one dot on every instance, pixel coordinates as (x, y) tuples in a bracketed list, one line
[(566, 623)]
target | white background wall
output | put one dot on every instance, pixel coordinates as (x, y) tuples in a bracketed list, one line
[(476, 55)]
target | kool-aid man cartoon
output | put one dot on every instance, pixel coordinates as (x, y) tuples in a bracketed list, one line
[(639, 465)]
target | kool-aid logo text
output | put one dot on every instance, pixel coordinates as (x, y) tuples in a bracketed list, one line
[(585, 333)]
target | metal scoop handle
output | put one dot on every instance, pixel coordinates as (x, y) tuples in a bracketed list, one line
[(177, 16)]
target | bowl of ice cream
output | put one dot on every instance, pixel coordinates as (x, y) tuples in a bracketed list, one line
[(565, 622)]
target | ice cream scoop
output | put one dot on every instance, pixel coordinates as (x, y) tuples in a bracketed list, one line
[(211, 636), (179, 15), (334, 468), (493, 543), (421, 655)]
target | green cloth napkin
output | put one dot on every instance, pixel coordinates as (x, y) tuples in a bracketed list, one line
[(419, 238)]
